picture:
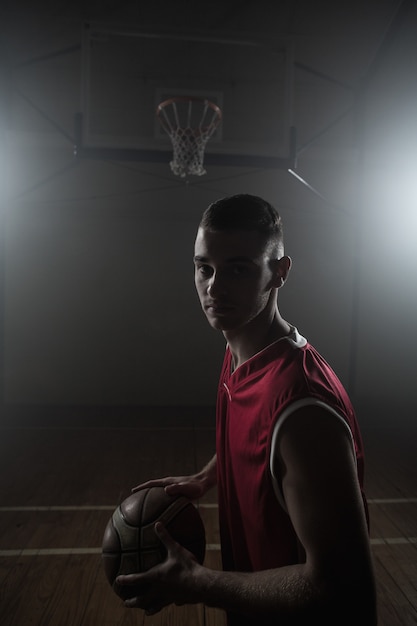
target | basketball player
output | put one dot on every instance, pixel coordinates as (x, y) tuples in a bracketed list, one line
[(289, 464)]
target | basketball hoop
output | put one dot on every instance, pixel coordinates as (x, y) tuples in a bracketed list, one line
[(190, 122)]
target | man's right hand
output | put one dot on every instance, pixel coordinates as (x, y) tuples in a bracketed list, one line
[(192, 487)]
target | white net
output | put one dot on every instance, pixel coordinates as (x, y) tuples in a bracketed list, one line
[(188, 154), (190, 123)]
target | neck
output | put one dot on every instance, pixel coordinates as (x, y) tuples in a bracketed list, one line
[(246, 342)]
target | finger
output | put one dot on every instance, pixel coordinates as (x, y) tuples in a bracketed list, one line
[(174, 489), (147, 485), (131, 580), (154, 482), (164, 535), (132, 603), (133, 596), (153, 610)]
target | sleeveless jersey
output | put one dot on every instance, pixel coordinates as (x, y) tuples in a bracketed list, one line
[(256, 532)]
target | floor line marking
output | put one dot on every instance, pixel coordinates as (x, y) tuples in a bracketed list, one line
[(392, 500), (117, 428), (392, 541), (210, 547), (93, 507), (200, 505), (49, 551)]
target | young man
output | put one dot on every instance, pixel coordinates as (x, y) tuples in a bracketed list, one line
[(289, 455)]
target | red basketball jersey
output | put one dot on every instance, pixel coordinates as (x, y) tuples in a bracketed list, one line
[(256, 532)]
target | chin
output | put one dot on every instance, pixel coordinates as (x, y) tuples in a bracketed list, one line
[(216, 325), (222, 324)]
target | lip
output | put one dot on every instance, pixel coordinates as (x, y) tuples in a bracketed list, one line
[(218, 308)]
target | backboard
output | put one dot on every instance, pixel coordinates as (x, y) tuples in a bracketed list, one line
[(127, 73)]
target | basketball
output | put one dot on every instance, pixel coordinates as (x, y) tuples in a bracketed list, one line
[(130, 544)]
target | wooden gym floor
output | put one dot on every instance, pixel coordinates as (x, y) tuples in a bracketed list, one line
[(59, 485)]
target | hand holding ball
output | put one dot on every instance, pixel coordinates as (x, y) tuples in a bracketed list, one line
[(130, 544)]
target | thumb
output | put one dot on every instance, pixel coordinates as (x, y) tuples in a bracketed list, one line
[(163, 535)]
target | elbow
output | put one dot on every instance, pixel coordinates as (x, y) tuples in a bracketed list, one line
[(346, 597), (354, 603)]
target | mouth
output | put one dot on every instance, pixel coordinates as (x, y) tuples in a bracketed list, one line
[(218, 308)]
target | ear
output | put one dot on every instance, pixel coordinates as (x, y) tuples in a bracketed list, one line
[(281, 269)]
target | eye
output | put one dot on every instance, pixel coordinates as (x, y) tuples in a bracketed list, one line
[(204, 270)]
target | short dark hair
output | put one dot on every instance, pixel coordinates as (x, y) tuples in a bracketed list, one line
[(245, 212)]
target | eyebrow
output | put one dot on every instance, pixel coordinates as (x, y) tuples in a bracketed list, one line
[(235, 259)]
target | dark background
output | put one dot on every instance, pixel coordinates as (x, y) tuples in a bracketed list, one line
[(98, 309)]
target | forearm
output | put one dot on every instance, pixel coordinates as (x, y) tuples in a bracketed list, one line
[(270, 593), (286, 596), (208, 475)]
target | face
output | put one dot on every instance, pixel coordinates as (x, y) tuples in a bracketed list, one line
[(234, 277)]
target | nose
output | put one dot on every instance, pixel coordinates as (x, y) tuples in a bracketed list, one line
[(216, 286)]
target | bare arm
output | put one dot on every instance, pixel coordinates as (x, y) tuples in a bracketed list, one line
[(193, 487), (335, 583)]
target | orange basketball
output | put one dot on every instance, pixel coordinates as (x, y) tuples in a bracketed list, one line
[(130, 544)]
